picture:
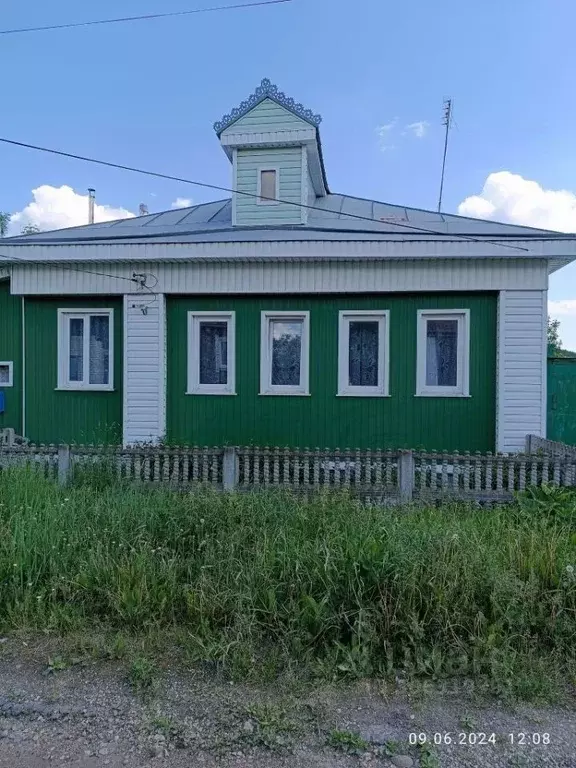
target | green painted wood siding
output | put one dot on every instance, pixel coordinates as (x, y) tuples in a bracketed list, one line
[(11, 351), (323, 419), (66, 417), (288, 162), (266, 116)]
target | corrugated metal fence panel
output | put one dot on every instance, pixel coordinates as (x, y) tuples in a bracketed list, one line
[(562, 400)]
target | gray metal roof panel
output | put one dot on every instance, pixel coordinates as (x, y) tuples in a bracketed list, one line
[(327, 220)]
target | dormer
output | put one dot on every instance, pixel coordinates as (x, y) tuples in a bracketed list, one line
[(274, 146)]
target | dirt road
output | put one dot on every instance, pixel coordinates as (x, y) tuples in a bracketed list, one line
[(88, 715)]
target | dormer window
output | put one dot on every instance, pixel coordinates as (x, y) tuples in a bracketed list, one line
[(268, 191)]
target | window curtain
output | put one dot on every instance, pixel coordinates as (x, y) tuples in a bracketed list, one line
[(442, 353), (213, 353), (99, 349), (363, 354), (286, 353), (76, 349)]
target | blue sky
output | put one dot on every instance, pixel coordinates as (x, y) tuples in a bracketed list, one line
[(147, 93)]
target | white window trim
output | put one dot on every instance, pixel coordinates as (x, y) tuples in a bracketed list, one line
[(383, 317), (266, 386), (259, 184), (64, 350), (10, 382), (194, 387), (462, 388)]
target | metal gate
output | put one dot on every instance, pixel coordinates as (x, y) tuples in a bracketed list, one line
[(562, 399)]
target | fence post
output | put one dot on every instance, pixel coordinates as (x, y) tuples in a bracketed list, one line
[(406, 475), (229, 468), (64, 464), (528, 444)]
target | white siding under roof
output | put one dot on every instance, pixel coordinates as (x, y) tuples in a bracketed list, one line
[(144, 368), (274, 276), (522, 317)]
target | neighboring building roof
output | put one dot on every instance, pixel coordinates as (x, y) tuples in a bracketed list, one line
[(266, 90), (331, 218)]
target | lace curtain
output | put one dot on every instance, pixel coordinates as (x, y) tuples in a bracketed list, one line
[(286, 352), (363, 354), (99, 349), (213, 353), (442, 353), (76, 361)]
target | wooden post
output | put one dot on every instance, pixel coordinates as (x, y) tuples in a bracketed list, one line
[(64, 464), (229, 468), (528, 443), (406, 475)]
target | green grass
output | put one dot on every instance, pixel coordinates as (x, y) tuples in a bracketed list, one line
[(266, 581), (347, 741)]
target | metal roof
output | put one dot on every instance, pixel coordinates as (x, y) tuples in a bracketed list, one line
[(331, 218)]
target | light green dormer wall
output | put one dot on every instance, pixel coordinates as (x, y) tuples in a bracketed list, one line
[(267, 116), (287, 161), (272, 136)]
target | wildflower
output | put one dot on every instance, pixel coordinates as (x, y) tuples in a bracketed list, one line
[(570, 569)]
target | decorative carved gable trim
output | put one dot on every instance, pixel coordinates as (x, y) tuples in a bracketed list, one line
[(267, 90)]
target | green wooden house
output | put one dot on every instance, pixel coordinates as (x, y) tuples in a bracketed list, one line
[(286, 315)]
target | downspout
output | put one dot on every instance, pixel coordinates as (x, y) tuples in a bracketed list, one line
[(23, 367)]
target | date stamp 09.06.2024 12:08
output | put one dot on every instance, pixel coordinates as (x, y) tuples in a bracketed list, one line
[(478, 738)]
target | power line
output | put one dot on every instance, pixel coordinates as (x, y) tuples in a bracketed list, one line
[(144, 18), (181, 180)]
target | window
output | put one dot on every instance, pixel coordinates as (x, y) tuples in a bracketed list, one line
[(6, 374), (85, 349), (443, 353), (211, 353), (363, 353), (268, 191), (284, 353)]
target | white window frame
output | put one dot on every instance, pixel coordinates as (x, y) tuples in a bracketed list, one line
[(462, 388), (64, 316), (10, 382), (266, 386), (259, 185), (194, 387), (345, 389)]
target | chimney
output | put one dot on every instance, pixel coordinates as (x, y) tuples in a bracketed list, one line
[(91, 200), (143, 209)]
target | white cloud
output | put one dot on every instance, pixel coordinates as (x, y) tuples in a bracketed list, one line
[(419, 129), (181, 202), (562, 308), (510, 197), (60, 207), (384, 132)]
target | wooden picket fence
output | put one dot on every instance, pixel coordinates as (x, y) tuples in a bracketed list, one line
[(383, 476)]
